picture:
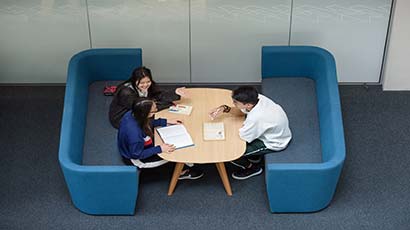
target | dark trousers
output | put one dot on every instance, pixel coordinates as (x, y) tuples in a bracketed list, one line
[(255, 149)]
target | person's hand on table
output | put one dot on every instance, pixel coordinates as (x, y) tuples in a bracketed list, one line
[(213, 113), (167, 148), (174, 121), (181, 91)]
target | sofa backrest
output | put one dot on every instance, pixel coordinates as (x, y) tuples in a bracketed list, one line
[(319, 65), (83, 69)]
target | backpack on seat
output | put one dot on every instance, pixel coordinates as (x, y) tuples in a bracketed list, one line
[(109, 90)]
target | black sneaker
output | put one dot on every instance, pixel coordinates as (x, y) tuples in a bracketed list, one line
[(191, 174), (255, 159), (240, 163), (247, 173)]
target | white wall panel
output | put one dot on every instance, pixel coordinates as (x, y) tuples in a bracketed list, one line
[(397, 67), (227, 36), (159, 27), (353, 30), (38, 37)]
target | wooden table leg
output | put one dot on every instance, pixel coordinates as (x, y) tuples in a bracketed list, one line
[(222, 173), (177, 171)]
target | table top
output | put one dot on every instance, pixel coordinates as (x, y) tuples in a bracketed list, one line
[(202, 100)]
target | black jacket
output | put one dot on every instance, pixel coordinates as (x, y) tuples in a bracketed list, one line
[(126, 96)]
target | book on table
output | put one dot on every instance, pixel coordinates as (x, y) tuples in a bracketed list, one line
[(214, 131), (180, 109), (176, 135)]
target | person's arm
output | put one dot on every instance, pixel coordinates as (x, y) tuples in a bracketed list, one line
[(250, 131), (219, 110), (137, 151), (165, 98), (181, 91), (121, 103), (159, 122), (126, 97)]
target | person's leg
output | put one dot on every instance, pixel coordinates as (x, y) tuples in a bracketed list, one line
[(191, 172), (253, 155), (255, 151), (241, 162), (150, 162), (126, 161)]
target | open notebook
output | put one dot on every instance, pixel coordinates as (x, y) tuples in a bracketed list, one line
[(176, 135)]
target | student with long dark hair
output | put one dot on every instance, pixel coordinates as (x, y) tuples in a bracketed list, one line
[(140, 85), (135, 139)]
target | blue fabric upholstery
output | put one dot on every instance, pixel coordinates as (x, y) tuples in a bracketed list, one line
[(100, 141), (297, 96), (306, 187), (103, 189)]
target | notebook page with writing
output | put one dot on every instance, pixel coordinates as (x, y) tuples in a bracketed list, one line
[(214, 131)]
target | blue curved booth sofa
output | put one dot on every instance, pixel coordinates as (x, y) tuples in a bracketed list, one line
[(303, 178), (95, 189)]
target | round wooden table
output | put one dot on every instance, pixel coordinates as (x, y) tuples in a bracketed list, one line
[(202, 100)]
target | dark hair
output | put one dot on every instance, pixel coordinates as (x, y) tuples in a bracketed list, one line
[(136, 76), (140, 111), (245, 95)]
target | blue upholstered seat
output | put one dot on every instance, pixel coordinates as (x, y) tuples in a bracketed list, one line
[(95, 189), (298, 179), (100, 140), (297, 96)]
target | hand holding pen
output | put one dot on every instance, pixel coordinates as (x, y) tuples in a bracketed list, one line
[(213, 113), (174, 121), (217, 111)]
